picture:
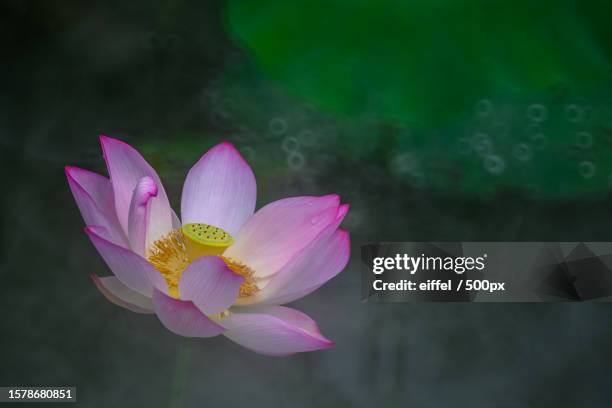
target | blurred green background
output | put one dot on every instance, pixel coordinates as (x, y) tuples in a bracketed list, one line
[(436, 120)]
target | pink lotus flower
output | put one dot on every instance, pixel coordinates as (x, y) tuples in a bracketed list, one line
[(224, 269)]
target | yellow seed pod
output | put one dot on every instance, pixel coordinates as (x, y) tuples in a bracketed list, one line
[(204, 240)]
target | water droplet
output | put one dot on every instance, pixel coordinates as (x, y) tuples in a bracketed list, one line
[(296, 161), (278, 126), (537, 112), (290, 144), (586, 169), (539, 140), (481, 143), (494, 164), (522, 152), (574, 113)]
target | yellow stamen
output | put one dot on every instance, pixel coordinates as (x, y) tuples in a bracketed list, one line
[(221, 315), (172, 254), (248, 287), (169, 256)]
